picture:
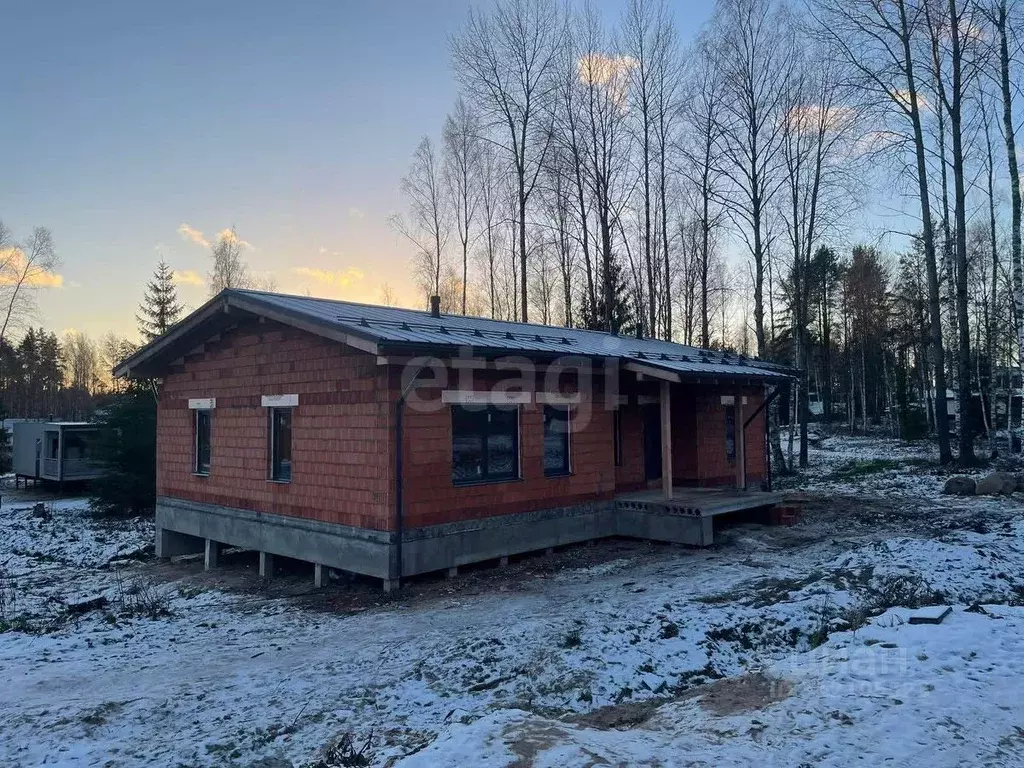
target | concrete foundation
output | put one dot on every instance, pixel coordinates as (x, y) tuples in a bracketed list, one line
[(182, 526), (318, 576), (173, 544)]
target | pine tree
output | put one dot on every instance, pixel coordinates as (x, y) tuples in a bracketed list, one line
[(159, 309)]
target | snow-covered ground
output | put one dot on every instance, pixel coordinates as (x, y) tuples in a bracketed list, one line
[(777, 646)]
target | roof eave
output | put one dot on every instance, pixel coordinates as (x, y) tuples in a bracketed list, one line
[(224, 302)]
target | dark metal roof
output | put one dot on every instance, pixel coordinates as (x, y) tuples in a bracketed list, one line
[(387, 330)]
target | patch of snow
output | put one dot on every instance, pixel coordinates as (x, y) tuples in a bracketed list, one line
[(481, 679)]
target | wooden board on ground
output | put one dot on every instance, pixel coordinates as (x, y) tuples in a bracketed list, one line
[(933, 614)]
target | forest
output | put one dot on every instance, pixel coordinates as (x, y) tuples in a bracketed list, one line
[(833, 184)]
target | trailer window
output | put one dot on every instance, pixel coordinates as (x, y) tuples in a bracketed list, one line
[(281, 444), (203, 421)]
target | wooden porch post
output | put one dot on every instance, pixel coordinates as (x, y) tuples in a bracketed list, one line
[(666, 440), (741, 445)]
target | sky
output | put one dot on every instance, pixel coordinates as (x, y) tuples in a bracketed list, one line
[(140, 130), (136, 130)]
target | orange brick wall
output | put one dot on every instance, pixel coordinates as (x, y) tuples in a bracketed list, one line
[(342, 438), (431, 498), (714, 468), (340, 429), (698, 437), (630, 476)]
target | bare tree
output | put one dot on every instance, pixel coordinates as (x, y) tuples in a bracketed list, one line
[(461, 168), (700, 164), (24, 269), (639, 45), (506, 61), (667, 73), (81, 362), (229, 268), (428, 225), (952, 30), (817, 157), (877, 44), (492, 181), (755, 40), (605, 78), (1001, 15), (570, 135)]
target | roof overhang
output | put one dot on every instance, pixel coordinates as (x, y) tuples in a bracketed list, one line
[(215, 316)]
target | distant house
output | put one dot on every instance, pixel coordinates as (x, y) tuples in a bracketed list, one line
[(392, 442), (54, 451)]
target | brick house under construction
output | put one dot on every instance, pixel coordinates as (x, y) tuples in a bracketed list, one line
[(393, 442)]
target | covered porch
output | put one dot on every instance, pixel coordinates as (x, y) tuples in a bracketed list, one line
[(702, 437)]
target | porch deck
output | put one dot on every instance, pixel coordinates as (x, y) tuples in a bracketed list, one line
[(696, 502)]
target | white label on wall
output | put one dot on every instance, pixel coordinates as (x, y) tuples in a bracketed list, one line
[(280, 401), (558, 398), (728, 400), (202, 403), (464, 397)]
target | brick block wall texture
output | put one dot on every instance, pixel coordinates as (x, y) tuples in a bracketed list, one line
[(432, 499), (340, 430), (342, 438)]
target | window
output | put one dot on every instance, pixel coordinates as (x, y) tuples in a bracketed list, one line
[(617, 436), (281, 444), (730, 432), (556, 440), (485, 444), (202, 448)]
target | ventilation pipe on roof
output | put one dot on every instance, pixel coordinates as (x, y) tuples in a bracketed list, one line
[(435, 306)]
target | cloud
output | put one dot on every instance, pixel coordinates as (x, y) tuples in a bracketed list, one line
[(809, 117), (356, 213), (193, 234), (188, 277), (231, 236), (341, 278), (609, 72), (13, 270)]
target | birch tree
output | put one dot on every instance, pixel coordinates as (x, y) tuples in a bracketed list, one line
[(461, 169), (755, 63), (506, 60), (877, 43), (24, 269), (427, 223)]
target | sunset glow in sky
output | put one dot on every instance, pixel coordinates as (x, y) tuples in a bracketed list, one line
[(140, 129), (135, 130)]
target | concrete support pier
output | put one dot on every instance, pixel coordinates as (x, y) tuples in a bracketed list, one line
[(318, 575), (266, 565), (212, 554)]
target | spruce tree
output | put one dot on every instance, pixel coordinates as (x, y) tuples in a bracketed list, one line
[(159, 309), (593, 317)]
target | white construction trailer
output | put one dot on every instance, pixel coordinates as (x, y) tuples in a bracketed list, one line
[(55, 451)]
